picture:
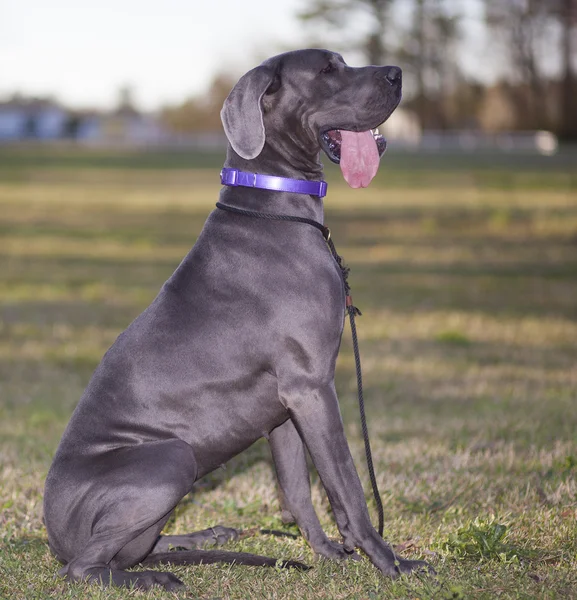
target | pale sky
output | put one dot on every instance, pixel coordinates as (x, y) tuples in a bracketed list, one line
[(82, 51)]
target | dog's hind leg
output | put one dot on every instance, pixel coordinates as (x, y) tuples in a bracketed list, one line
[(133, 492)]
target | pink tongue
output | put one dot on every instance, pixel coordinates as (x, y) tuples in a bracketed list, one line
[(359, 158)]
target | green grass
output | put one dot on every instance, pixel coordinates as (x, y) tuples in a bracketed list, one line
[(465, 269)]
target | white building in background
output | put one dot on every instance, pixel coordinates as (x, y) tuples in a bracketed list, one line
[(403, 129), (31, 119), (43, 120), (122, 128), (12, 120)]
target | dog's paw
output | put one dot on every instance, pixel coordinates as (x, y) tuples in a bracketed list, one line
[(334, 551), (105, 576), (414, 566), (214, 536), (146, 580), (221, 535)]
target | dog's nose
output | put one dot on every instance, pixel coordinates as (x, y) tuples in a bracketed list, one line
[(393, 75)]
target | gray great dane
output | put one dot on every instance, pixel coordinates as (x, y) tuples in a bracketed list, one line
[(239, 344)]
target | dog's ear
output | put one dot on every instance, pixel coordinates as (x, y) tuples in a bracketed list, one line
[(242, 113)]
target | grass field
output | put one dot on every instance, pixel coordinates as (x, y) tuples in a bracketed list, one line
[(465, 269)]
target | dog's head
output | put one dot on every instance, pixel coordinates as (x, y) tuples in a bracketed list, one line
[(303, 101)]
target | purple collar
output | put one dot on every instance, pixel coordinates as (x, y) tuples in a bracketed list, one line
[(234, 177)]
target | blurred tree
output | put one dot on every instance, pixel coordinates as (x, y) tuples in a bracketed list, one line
[(126, 103), (200, 113), (424, 44), (566, 12), (338, 13), (428, 51), (539, 38)]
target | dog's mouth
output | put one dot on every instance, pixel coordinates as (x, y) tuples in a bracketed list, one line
[(333, 140), (357, 153)]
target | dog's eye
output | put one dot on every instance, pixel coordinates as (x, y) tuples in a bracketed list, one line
[(328, 69)]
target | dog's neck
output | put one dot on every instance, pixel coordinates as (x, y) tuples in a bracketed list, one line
[(269, 163)]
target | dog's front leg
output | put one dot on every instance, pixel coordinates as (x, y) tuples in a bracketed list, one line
[(316, 415), (290, 463)]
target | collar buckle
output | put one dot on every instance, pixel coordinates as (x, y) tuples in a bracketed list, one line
[(229, 177)]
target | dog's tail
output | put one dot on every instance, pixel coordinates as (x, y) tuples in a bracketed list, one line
[(197, 557)]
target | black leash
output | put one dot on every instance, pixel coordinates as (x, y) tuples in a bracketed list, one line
[(352, 312)]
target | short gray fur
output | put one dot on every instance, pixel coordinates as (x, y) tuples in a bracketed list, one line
[(240, 343)]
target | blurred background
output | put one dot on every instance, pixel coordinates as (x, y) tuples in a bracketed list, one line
[(463, 256), (478, 73)]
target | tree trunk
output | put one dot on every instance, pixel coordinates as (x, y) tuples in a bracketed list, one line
[(421, 97), (568, 122)]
